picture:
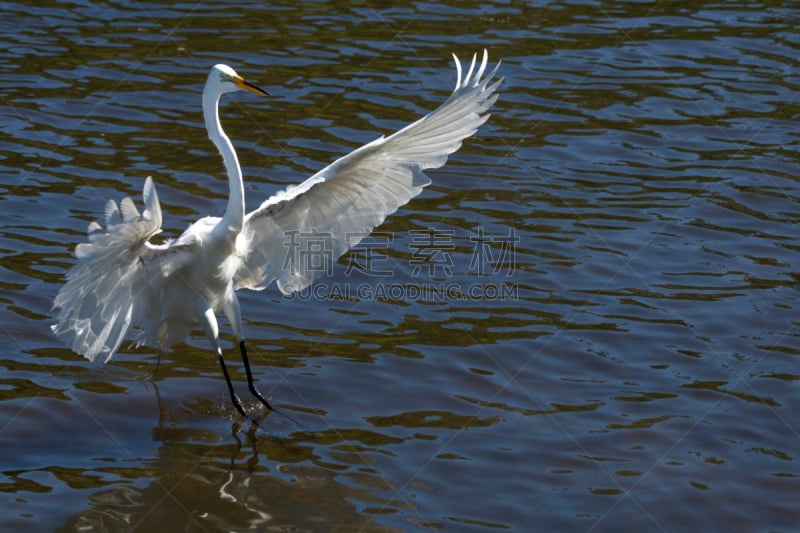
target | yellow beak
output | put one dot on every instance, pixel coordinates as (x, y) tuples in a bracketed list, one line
[(247, 86)]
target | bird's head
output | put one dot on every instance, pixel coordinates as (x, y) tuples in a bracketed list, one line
[(223, 79)]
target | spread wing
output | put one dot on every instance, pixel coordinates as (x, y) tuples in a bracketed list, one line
[(334, 209), (108, 289)]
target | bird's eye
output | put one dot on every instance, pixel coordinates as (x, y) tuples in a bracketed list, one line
[(226, 77)]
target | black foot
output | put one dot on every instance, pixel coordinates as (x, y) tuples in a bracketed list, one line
[(263, 400), (238, 404), (253, 390)]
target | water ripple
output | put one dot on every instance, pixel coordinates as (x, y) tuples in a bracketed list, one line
[(642, 160)]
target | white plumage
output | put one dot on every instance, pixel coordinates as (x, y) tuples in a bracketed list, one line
[(122, 285)]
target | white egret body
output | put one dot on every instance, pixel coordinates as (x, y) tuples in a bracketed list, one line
[(122, 283)]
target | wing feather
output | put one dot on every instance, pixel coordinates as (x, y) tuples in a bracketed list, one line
[(107, 289), (335, 208)]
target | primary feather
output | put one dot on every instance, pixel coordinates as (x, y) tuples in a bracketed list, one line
[(342, 203)]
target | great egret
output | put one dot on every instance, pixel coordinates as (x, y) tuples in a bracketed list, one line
[(123, 282)]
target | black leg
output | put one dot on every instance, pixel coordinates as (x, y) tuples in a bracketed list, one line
[(158, 361), (250, 383), (236, 401)]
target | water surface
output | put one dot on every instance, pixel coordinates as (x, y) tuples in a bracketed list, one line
[(589, 321)]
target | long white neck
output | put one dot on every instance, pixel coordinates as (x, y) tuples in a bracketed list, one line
[(233, 220)]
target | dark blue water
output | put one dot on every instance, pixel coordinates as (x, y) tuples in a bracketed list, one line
[(589, 321)]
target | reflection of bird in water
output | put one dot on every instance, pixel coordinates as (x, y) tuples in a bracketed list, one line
[(122, 281), (203, 479)]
